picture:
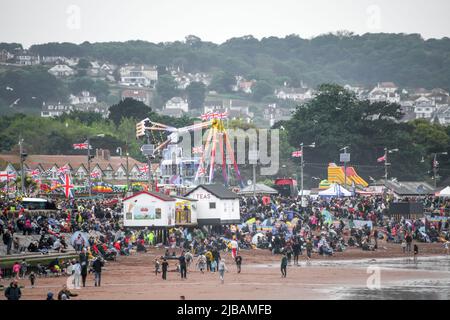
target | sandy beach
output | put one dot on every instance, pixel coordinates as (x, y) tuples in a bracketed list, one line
[(133, 277)]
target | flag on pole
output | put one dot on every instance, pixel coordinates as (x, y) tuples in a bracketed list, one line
[(67, 185), (95, 174), (201, 171), (6, 176), (34, 172), (382, 159), (80, 146), (297, 154), (435, 164), (63, 169)]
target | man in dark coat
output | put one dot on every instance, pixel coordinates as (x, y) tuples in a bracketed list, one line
[(13, 291)]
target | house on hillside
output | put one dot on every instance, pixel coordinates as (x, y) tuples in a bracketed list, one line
[(177, 103), (55, 109), (5, 56), (83, 98), (62, 70), (424, 108), (137, 94), (295, 94), (139, 75)]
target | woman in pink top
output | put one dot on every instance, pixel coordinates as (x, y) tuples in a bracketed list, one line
[(16, 269)]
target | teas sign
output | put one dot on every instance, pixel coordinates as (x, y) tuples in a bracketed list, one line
[(203, 196)]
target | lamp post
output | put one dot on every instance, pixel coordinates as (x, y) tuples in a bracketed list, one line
[(119, 151), (435, 167), (23, 156), (89, 157), (386, 164), (345, 160), (302, 164)]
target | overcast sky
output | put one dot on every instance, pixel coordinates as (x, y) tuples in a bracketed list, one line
[(40, 21)]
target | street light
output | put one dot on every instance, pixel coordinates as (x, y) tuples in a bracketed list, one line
[(345, 160), (302, 164), (386, 164), (23, 156), (119, 150), (435, 167), (89, 158)]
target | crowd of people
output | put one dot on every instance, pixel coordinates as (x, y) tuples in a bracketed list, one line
[(283, 225)]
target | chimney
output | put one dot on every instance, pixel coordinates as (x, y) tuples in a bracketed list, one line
[(97, 153), (106, 155)]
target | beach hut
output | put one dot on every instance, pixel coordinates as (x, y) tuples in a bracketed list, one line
[(149, 209), (216, 205)]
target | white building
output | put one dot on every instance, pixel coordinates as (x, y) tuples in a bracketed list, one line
[(55, 110), (149, 209), (140, 76), (177, 103), (295, 94), (83, 98), (61, 70), (424, 108), (216, 205)]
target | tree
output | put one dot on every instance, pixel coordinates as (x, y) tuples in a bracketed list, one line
[(166, 87), (128, 108), (84, 64), (222, 82), (196, 94), (262, 89), (87, 118)]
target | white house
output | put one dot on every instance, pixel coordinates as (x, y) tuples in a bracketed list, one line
[(55, 110), (141, 76), (149, 209), (386, 87), (216, 205), (424, 108), (83, 98), (295, 94), (177, 103), (61, 70)]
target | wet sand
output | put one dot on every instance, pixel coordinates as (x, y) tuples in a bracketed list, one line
[(133, 277)]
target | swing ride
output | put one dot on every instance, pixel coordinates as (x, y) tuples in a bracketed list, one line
[(200, 167)]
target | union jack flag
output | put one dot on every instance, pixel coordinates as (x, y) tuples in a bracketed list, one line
[(382, 159), (95, 174), (63, 169), (80, 146), (214, 115), (297, 154), (6, 176), (67, 185), (201, 171), (34, 172), (197, 150), (144, 168)]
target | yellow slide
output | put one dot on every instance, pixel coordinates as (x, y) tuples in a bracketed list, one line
[(336, 175)]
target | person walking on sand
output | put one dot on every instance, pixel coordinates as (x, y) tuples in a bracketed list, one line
[(164, 267), (416, 253), (284, 263), (222, 268), (32, 278), (309, 247), (238, 263), (182, 261), (157, 266)]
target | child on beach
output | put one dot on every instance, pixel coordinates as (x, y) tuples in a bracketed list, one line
[(157, 265), (213, 266), (32, 278)]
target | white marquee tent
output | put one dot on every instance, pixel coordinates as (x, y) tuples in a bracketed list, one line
[(335, 190), (445, 192)]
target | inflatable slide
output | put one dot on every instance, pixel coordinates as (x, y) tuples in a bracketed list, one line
[(336, 175)]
